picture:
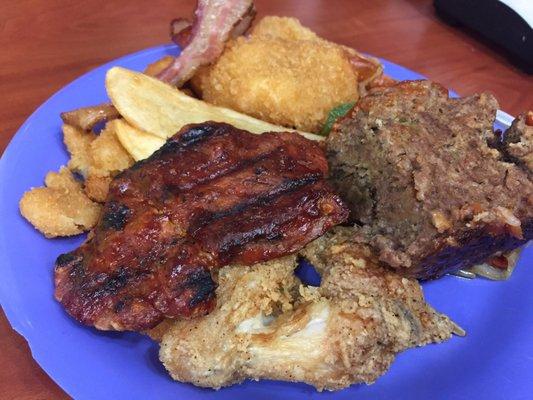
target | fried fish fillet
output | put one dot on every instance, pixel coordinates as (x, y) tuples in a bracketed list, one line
[(285, 74), (212, 195), (269, 326)]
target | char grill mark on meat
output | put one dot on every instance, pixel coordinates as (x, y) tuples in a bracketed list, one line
[(211, 196)]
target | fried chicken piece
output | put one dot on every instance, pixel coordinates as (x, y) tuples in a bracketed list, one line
[(61, 208), (269, 326), (65, 207), (291, 78)]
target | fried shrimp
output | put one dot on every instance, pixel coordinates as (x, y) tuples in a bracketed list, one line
[(61, 208), (96, 157), (267, 325)]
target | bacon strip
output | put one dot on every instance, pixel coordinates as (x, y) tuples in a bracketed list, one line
[(214, 23)]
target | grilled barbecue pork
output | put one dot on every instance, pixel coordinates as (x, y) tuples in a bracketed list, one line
[(211, 196)]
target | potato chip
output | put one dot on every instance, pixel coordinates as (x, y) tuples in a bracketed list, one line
[(162, 110), (138, 144)]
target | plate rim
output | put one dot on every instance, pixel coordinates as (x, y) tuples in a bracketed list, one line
[(13, 318)]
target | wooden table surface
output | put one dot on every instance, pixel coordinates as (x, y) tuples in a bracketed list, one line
[(46, 44)]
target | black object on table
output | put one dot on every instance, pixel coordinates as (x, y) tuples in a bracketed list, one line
[(497, 23)]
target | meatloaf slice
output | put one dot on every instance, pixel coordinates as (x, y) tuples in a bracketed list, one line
[(424, 187)]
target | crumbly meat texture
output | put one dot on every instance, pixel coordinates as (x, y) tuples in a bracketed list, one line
[(517, 143), (427, 191), (211, 195), (61, 208), (267, 325), (283, 73)]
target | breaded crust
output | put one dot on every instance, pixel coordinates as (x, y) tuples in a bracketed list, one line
[(267, 325), (61, 208), (283, 73)]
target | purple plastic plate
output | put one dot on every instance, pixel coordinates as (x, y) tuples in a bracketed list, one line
[(494, 360)]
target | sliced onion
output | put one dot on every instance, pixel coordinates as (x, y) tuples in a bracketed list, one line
[(487, 271)]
